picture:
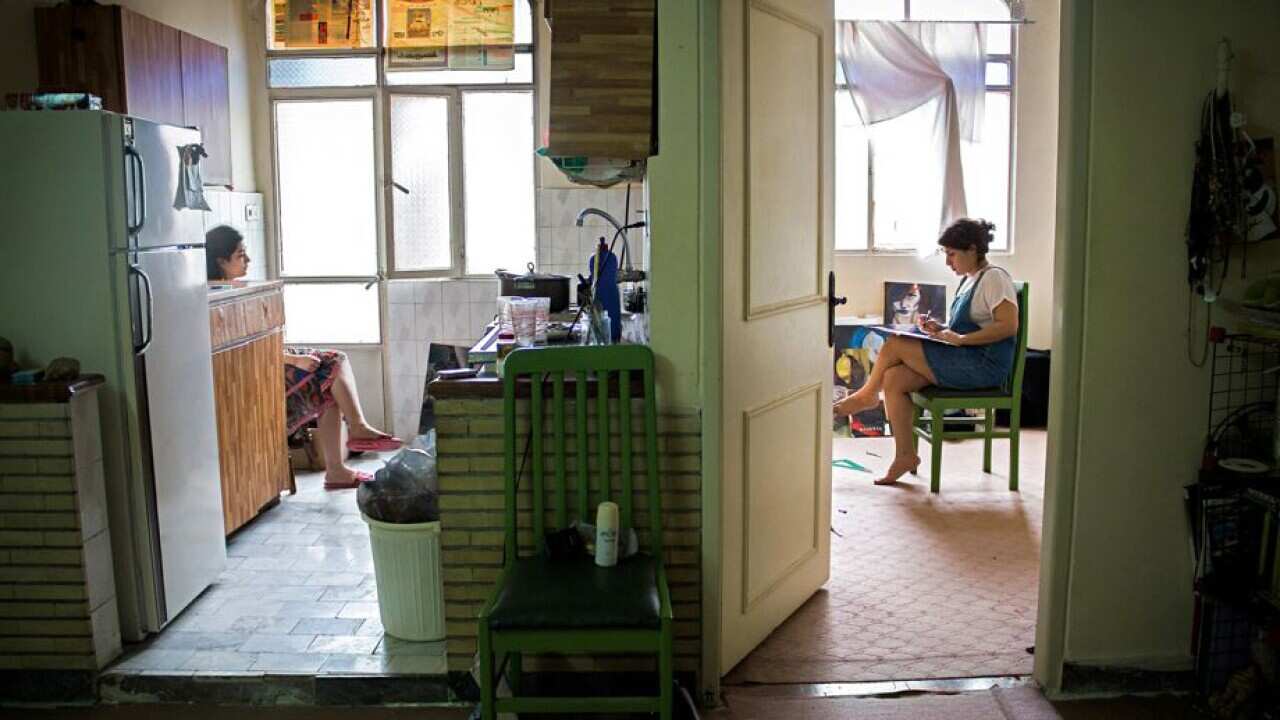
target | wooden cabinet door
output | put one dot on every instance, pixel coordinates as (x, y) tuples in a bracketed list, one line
[(78, 50), (205, 99), (152, 58), (248, 386)]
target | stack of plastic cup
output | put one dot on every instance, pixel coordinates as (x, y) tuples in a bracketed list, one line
[(542, 317), (504, 313), (524, 320)]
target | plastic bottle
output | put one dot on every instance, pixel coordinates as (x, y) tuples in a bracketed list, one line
[(607, 534)]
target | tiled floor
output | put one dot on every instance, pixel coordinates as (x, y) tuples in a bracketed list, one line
[(922, 586), (298, 596)]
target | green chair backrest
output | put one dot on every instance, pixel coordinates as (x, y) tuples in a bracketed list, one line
[(526, 373), (1020, 351)]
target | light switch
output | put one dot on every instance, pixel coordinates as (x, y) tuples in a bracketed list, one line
[(252, 212)]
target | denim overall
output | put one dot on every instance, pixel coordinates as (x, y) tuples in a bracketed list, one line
[(971, 367)]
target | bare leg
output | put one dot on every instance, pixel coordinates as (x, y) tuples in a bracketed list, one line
[(348, 398), (897, 351), (329, 431), (899, 383)]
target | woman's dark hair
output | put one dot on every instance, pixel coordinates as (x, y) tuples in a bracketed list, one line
[(220, 243), (967, 233)]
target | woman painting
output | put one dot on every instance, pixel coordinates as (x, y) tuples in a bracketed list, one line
[(979, 345), (318, 384)]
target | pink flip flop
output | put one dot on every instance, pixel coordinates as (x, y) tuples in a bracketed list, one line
[(357, 477), (378, 444)]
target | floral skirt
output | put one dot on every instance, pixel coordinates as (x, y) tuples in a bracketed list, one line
[(307, 395)]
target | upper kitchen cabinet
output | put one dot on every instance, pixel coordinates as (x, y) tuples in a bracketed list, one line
[(603, 78), (205, 91), (140, 67)]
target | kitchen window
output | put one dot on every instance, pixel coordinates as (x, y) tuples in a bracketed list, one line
[(384, 172), (875, 182)]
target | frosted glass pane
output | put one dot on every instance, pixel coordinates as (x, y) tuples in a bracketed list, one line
[(521, 74), (324, 158), (870, 9), (999, 39), (959, 10), (908, 182), (498, 171), (323, 72), (997, 73), (851, 176), (986, 169), (330, 313), (420, 165)]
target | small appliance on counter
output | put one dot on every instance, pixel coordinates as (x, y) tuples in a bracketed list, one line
[(534, 284)]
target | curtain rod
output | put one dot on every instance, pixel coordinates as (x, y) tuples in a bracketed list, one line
[(947, 22)]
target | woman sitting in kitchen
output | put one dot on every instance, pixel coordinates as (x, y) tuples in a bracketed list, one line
[(318, 384), (979, 351)]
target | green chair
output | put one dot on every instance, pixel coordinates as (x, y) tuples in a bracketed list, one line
[(539, 606), (938, 400)]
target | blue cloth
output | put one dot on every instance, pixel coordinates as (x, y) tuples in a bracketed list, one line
[(607, 295), (974, 367)]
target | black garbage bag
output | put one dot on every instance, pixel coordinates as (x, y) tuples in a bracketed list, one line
[(406, 489)]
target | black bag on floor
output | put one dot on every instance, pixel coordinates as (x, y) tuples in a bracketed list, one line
[(1035, 392)]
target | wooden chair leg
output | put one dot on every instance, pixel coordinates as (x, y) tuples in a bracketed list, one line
[(986, 441), (935, 443), (1015, 434), (666, 676), (488, 693)]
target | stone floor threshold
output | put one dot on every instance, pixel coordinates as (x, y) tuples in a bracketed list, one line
[(257, 688)]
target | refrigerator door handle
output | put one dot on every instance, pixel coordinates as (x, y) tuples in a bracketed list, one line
[(141, 348), (138, 189)]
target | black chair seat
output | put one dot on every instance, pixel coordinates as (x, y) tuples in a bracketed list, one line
[(934, 392), (540, 594)]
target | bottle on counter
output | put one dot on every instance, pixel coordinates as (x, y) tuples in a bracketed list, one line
[(607, 534)]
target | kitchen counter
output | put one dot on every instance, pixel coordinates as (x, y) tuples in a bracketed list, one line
[(222, 292), (246, 328)]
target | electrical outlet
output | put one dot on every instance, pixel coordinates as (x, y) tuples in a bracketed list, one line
[(252, 212)]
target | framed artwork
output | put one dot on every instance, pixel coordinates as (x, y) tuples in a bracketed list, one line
[(906, 301), (856, 350)]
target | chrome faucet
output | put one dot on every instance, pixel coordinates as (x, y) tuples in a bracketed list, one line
[(627, 273)]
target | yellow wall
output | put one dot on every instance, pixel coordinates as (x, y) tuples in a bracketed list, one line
[(1142, 404), (861, 277), (219, 21)]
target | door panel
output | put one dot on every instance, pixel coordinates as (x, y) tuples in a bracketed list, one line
[(205, 98), (152, 69), (777, 109), (784, 149)]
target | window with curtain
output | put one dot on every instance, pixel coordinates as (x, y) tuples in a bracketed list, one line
[(879, 185)]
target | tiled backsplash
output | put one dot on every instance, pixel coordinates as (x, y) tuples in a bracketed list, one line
[(242, 211), (453, 312)]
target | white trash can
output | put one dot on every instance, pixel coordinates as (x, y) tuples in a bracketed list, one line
[(406, 567)]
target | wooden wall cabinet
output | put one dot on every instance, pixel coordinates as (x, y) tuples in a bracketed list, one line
[(247, 329), (140, 67), (603, 78)]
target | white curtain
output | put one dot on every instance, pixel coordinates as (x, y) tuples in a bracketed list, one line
[(893, 68)]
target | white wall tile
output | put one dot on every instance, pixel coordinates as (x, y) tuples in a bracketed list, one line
[(558, 208), (457, 324), (402, 292), (456, 292), (406, 394), (430, 292), (407, 425), (403, 357), (483, 291), (481, 315), (401, 323), (429, 322)]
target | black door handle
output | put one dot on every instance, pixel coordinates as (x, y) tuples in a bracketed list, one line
[(832, 302)]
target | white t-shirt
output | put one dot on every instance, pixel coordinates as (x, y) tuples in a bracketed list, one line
[(994, 288)]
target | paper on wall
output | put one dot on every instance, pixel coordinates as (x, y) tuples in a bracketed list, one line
[(471, 34)]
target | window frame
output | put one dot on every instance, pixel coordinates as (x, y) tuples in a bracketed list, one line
[(1009, 60), (380, 93)]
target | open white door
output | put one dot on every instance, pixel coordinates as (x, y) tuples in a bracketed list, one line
[(777, 105)]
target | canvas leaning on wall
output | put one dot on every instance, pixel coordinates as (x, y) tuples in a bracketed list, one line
[(904, 302)]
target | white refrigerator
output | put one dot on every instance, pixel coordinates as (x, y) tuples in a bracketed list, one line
[(98, 263)]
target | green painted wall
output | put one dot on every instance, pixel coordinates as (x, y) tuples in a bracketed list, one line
[(676, 289), (1142, 404)]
